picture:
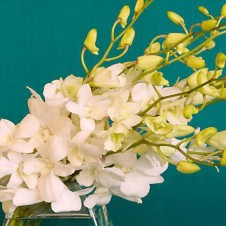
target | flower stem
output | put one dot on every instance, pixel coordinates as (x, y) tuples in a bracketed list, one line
[(119, 56), (83, 61)]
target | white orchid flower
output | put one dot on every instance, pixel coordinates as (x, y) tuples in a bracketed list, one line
[(88, 108), (146, 171), (110, 77), (16, 138)]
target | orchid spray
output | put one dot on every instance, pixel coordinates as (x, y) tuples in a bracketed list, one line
[(115, 130)]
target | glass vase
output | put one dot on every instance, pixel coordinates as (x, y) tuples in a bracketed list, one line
[(42, 214)]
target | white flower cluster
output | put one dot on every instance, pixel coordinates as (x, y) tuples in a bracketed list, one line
[(91, 133)]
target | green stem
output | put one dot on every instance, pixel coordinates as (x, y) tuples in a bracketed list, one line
[(184, 28), (83, 61), (119, 36), (191, 52), (177, 94), (119, 56), (113, 30), (164, 157), (182, 152)]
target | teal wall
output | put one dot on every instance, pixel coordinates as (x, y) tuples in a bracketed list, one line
[(41, 40)]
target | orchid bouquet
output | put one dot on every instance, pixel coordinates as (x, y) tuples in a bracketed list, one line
[(115, 130)]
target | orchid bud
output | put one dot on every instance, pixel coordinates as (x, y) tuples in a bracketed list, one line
[(153, 48), (223, 10), (127, 38), (203, 10), (172, 39), (195, 62), (218, 140), (175, 18), (192, 79), (187, 167), (180, 131), (206, 89), (207, 25), (123, 15), (139, 6), (158, 80), (148, 62), (204, 135), (223, 161), (90, 41), (224, 153), (223, 94), (209, 45), (189, 110), (220, 60)]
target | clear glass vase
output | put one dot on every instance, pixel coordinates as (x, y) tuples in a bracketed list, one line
[(42, 214)]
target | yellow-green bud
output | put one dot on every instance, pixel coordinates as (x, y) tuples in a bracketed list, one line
[(223, 10), (195, 62), (139, 6), (123, 15), (223, 93), (218, 140), (203, 10), (158, 80), (223, 161), (154, 48), (173, 38), (192, 79), (207, 25), (209, 45), (207, 89), (205, 135), (148, 62), (187, 167), (90, 41), (189, 110), (220, 60), (180, 131), (224, 153), (127, 38), (175, 18)]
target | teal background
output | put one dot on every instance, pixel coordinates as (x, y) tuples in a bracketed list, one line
[(41, 40)]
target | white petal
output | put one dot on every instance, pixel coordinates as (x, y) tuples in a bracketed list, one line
[(69, 201), (110, 177), (8, 208), (7, 194), (31, 180), (125, 159), (132, 121), (102, 196), (51, 187), (151, 164), (22, 146), (63, 170), (90, 149), (135, 185), (57, 148), (15, 180), (91, 201), (81, 137), (26, 196), (139, 92), (85, 178), (84, 94), (5, 167), (77, 109), (35, 166), (116, 69), (28, 127), (87, 124)]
